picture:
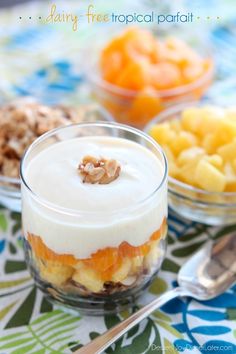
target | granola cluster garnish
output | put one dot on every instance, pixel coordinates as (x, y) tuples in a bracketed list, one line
[(101, 171), (22, 121)]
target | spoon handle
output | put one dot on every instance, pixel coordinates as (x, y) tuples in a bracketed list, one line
[(99, 344)]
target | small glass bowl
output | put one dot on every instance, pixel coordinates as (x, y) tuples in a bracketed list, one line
[(82, 283), (212, 208), (10, 195), (137, 108)]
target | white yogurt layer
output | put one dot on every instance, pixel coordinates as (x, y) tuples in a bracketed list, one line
[(101, 220)]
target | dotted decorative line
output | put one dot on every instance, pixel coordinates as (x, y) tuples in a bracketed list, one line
[(30, 17), (208, 18)]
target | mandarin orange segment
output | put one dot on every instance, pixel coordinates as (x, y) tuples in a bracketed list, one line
[(103, 259), (145, 105), (140, 44), (165, 75), (126, 250), (156, 235), (43, 252), (111, 65), (160, 232), (134, 76), (107, 275)]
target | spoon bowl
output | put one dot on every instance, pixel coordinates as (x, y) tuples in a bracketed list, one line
[(210, 271)]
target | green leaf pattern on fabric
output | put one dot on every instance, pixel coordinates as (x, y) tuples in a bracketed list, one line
[(41, 333)]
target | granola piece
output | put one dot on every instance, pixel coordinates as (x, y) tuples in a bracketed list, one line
[(10, 167), (99, 171)]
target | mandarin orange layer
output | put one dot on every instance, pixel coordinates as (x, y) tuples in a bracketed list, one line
[(104, 261)]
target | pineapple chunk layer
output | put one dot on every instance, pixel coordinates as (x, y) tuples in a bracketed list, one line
[(153, 255), (56, 274), (88, 278), (122, 271), (136, 265), (126, 271), (200, 147)]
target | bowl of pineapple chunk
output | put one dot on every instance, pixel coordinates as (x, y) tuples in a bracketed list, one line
[(199, 140)]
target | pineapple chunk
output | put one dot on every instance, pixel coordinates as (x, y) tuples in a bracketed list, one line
[(187, 173), (88, 278), (210, 143), (229, 171), (173, 169), (137, 263), (209, 177), (153, 255), (215, 160), (168, 152), (191, 119), (162, 133), (184, 140), (175, 124), (188, 155), (230, 178), (210, 118), (122, 271), (234, 165), (55, 273), (228, 151), (201, 120), (226, 131)]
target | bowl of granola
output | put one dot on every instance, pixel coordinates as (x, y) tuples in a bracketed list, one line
[(21, 122)]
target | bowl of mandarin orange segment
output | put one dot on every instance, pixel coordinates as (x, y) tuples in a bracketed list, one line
[(199, 140), (138, 74)]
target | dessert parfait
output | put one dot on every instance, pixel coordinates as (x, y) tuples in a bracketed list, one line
[(94, 214)]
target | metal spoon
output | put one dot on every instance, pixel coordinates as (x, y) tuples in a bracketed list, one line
[(207, 274)]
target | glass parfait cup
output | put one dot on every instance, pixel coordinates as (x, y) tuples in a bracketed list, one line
[(108, 279)]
